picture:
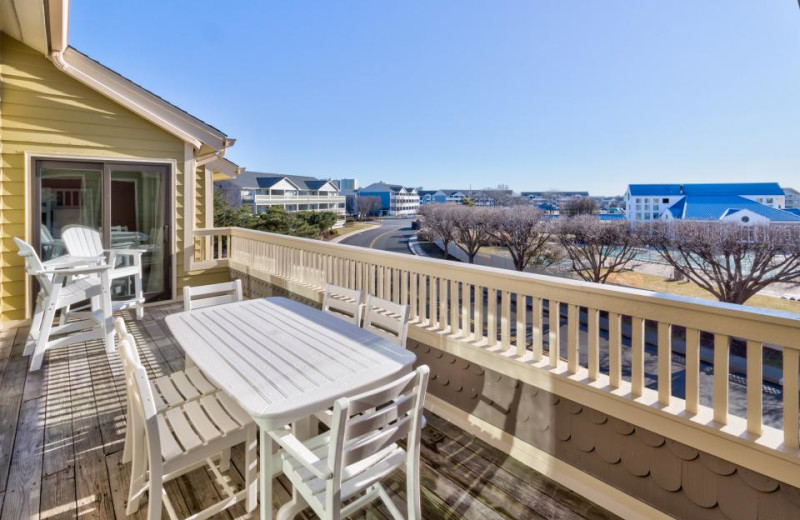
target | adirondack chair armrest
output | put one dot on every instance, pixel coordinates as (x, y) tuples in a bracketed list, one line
[(127, 252), (71, 271), (68, 261), (297, 450)]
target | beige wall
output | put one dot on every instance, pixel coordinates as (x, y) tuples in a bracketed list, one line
[(45, 112)]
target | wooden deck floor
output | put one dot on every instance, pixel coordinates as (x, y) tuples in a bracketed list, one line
[(62, 428)]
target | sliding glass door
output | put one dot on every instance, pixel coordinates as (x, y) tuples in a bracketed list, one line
[(127, 203)]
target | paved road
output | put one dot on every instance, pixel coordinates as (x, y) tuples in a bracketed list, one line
[(392, 236)]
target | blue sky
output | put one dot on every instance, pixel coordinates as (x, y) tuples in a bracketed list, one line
[(570, 94)]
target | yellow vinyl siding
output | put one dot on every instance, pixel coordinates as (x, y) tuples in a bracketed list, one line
[(44, 111)]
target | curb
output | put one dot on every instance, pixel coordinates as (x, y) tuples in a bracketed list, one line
[(354, 233)]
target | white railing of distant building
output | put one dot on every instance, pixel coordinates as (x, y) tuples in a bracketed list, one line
[(446, 316)]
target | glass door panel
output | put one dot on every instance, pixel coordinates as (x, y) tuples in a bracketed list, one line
[(69, 194), (138, 220)]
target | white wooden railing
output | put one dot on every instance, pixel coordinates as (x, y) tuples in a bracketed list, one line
[(448, 313)]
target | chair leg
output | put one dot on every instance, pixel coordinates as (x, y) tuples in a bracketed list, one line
[(108, 316), (250, 469), (137, 282), (154, 500), (412, 488), (36, 328), (62, 320), (42, 340), (225, 460), (127, 447)]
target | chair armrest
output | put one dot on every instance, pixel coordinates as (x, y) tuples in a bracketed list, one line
[(294, 447), (78, 270), (67, 261), (126, 252)]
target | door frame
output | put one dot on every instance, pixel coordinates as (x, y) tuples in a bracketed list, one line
[(32, 198)]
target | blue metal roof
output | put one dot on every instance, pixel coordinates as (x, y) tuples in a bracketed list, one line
[(749, 188), (743, 188), (654, 189), (707, 207), (795, 211)]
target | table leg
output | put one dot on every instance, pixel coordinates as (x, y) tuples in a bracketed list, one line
[(265, 448), (301, 430)]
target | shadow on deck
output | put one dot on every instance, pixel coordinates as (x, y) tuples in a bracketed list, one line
[(62, 431)]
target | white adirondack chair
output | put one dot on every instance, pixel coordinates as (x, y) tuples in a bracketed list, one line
[(169, 391), (387, 319), (171, 442), (343, 302), (349, 461), (63, 283), (85, 242), (214, 294)]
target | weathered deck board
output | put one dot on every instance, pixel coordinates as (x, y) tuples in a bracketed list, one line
[(62, 430)]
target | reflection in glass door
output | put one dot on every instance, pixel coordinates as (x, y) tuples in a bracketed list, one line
[(127, 203)]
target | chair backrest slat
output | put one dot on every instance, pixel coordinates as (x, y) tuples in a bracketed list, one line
[(343, 302), (82, 241), (209, 295), (387, 319)]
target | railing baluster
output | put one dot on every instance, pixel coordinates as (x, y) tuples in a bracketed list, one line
[(554, 332), (538, 329), (386, 277), (404, 275), (637, 356), (443, 295), (791, 364), (573, 324), (721, 376), (755, 375), (664, 362), (478, 325), (593, 343), (466, 293), (522, 326), (423, 298), (692, 370), (505, 320), (413, 296), (491, 317), (396, 286), (454, 307), (434, 302)]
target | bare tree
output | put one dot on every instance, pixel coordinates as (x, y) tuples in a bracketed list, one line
[(521, 230), (471, 230), (578, 206), (439, 221), (597, 249), (731, 261), (367, 206)]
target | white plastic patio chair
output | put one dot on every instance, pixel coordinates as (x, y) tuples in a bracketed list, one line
[(175, 441), (86, 242), (386, 319), (64, 283), (169, 391), (208, 295), (343, 303), (350, 460)]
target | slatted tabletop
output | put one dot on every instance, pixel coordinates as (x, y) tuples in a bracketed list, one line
[(282, 360)]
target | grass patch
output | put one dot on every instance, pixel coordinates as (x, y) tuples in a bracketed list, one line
[(689, 289), (353, 227)]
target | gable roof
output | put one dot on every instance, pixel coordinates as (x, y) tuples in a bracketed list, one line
[(743, 188), (250, 180), (44, 26), (707, 207), (381, 187)]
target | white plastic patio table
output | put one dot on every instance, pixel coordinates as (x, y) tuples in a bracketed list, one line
[(282, 361)]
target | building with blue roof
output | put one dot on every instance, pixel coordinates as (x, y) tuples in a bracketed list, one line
[(754, 202)]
